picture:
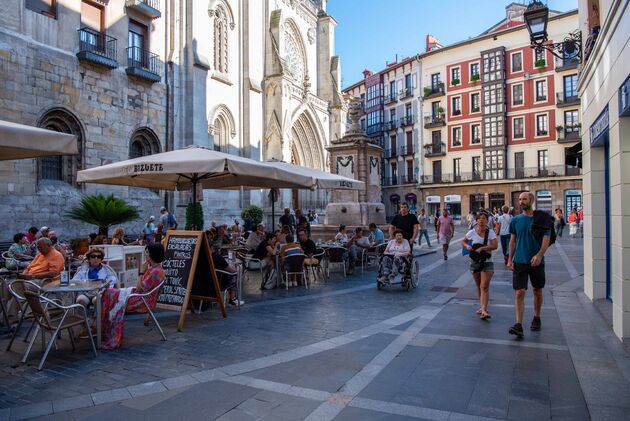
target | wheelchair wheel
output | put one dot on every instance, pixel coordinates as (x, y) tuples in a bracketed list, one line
[(415, 273), (379, 286)]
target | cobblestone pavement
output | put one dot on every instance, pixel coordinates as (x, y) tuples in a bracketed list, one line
[(343, 350)]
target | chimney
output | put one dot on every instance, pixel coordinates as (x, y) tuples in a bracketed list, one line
[(367, 73)]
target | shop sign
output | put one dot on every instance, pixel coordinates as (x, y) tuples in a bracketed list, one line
[(394, 198), (599, 129), (411, 197), (573, 192), (433, 199), (624, 98), (452, 198)]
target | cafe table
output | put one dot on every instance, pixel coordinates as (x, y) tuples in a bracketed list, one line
[(77, 287)]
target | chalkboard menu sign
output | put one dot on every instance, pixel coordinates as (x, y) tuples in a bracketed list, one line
[(188, 273)]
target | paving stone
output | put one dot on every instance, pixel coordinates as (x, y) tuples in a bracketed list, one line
[(74, 402), (32, 410), (110, 396)]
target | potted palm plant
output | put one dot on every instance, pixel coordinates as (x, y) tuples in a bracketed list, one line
[(103, 211)]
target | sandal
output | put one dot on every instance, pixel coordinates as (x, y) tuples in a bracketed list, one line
[(485, 315), (479, 311)]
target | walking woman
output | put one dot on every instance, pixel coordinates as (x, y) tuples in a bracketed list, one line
[(484, 240), (559, 222), (573, 224)]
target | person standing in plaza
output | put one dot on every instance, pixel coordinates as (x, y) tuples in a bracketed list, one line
[(558, 222), (526, 260), (581, 221), (405, 222), (436, 218), (287, 220), (422, 228), (446, 229), (504, 232), (573, 224), (484, 240)]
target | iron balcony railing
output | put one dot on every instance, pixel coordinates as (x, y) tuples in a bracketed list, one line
[(406, 121), (389, 153), (391, 125), (150, 8), (391, 98), (434, 120), (549, 171), (406, 150), (143, 63), (405, 92), (565, 99), (436, 89), (434, 149), (98, 47)]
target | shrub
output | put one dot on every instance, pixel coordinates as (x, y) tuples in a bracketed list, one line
[(540, 63), (103, 211), (194, 216), (474, 77), (455, 82), (256, 213)]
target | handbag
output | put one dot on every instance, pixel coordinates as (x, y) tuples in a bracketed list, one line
[(482, 256), (465, 251)]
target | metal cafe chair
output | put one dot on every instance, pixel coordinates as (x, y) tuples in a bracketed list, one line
[(315, 268), (143, 297), (39, 306), (294, 265), (373, 253), (224, 292), (337, 254)]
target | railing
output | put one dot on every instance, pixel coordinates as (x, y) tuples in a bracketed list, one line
[(406, 150), (391, 98), (405, 92), (391, 181), (91, 41), (434, 120), (151, 3), (549, 171), (389, 153), (406, 121), (434, 90), (391, 125), (408, 179), (562, 99), (137, 58), (435, 149)]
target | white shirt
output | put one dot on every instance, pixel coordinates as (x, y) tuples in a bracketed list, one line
[(477, 239), (397, 249), (504, 220)]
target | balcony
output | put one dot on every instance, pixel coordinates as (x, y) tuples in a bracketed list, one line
[(390, 181), (452, 178), (406, 150), (97, 47), (149, 8), (391, 98), (564, 100), (434, 91), (405, 93), (571, 135), (550, 171), (407, 179), (434, 149), (374, 128), (406, 121), (143, 64), (390, 125), (563, 64), (389, 153), (436, 120)]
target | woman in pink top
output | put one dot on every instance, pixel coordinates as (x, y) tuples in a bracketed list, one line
[(394, 257), (446, 229)]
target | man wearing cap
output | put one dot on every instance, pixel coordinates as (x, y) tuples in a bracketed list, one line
[(48, 263)]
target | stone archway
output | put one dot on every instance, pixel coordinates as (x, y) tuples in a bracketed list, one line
[(307, 150)]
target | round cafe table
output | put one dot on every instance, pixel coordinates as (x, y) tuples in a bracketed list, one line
[(77, 287)]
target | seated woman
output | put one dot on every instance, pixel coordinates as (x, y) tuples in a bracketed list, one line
[(394, 257), (19, 253), (94, 269), (118, 238), (113, 299), (266, 252), (341, 236), (56, 244)]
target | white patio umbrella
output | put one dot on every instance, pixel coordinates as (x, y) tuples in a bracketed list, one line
[(320, 179), (184, 169), (18, 141)]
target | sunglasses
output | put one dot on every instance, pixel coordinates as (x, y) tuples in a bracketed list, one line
[(96, 256)]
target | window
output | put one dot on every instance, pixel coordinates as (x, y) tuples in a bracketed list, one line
[(457, 136), (435, 107), (455, 75), (62, 168), (457, 169), (493, 98), (392, 90), (541, 90), (374, 95), (435, 81), (493, 65), (408, 112), (518, 128), (220, 40), (363, 102), (437, 171), (436, 139), (493, 165), (45, 7), (474, 102), (143, 142), (409, 136), (570, 86), (493, 131), (475, 133), (519, 164), (394, 170), (517, 62), (91, 16), (517, 94), (474, 69), (362, 124), (408, 84), (374, 121), (137, 44), (538, 55), (392, 143), (571, 122), (456, 105), (409, 171), (543, 161), (476, 167), (542, 128), (392, 115)]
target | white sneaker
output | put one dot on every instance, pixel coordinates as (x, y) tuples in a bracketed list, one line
[(236, 302)]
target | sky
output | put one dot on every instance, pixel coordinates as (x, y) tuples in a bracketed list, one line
[(371, 32)]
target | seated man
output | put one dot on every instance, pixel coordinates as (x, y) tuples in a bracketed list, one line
[(255, 238), (308, 247), (225, 281), (48, 263), (376, 235), (356, 245), (394, 258), (291, 247)]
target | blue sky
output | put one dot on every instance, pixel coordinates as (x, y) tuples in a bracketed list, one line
[(371, 32)]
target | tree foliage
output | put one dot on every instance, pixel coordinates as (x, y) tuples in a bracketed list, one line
[(256, 213), (103, 211)]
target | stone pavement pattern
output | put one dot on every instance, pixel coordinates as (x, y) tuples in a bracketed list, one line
[(343, 350)]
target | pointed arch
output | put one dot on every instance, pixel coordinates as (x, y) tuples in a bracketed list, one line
[(214, 4), (293, 51), (222, 127), (306, 143)]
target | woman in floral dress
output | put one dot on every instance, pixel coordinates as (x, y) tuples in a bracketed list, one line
[(113, 299)]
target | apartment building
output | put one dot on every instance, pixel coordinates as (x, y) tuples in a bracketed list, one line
[(390, 100), (604, 86), (500, 118)]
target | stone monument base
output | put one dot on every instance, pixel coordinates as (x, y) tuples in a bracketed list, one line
[(354, 214)]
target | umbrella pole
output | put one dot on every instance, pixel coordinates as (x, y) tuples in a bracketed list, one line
[(194, 202), (273, 209)]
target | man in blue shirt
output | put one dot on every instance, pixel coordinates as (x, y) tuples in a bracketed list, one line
[(526, 260), (376, 235)]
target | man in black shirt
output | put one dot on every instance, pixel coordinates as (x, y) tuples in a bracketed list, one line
[(302, 223), (287, 219), (405, 222), (226, 281)]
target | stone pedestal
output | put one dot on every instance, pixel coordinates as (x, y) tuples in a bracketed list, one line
[(356, 156)]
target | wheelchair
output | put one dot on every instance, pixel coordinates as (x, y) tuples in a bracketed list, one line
[(410, 272)]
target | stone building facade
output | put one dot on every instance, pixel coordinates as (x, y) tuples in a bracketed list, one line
[(79, 82)]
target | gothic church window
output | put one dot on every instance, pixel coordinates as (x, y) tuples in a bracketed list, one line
[(221, 40), (143, 142), (62, 168)]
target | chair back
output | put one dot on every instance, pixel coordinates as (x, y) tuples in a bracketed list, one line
[(19, 286), (336, 254), (39, 311), (319, 254), (294, 263)]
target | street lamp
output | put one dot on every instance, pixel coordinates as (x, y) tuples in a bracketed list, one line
[(536, 17)]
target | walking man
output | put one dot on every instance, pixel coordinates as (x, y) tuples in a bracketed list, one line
[(422, 228), (504, 232), (445, 229), (405, 222), (526, 260)]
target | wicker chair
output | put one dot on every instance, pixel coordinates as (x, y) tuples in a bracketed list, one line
[(337, 254), (294, 265)]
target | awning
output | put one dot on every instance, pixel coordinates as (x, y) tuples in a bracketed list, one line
[(394, 198), (411, 197), (18, 141)]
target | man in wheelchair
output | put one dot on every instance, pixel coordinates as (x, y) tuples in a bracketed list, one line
[(396, 259)]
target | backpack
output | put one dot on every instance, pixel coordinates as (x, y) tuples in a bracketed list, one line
[(170, 220), (543, 221)]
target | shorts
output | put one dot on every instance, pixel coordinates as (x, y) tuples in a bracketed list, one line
[(522, 271), (444, 239), (476, 267)]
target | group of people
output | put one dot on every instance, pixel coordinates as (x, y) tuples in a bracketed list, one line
[(24, 248), (296, 221), (575, 220), (152, 232)]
